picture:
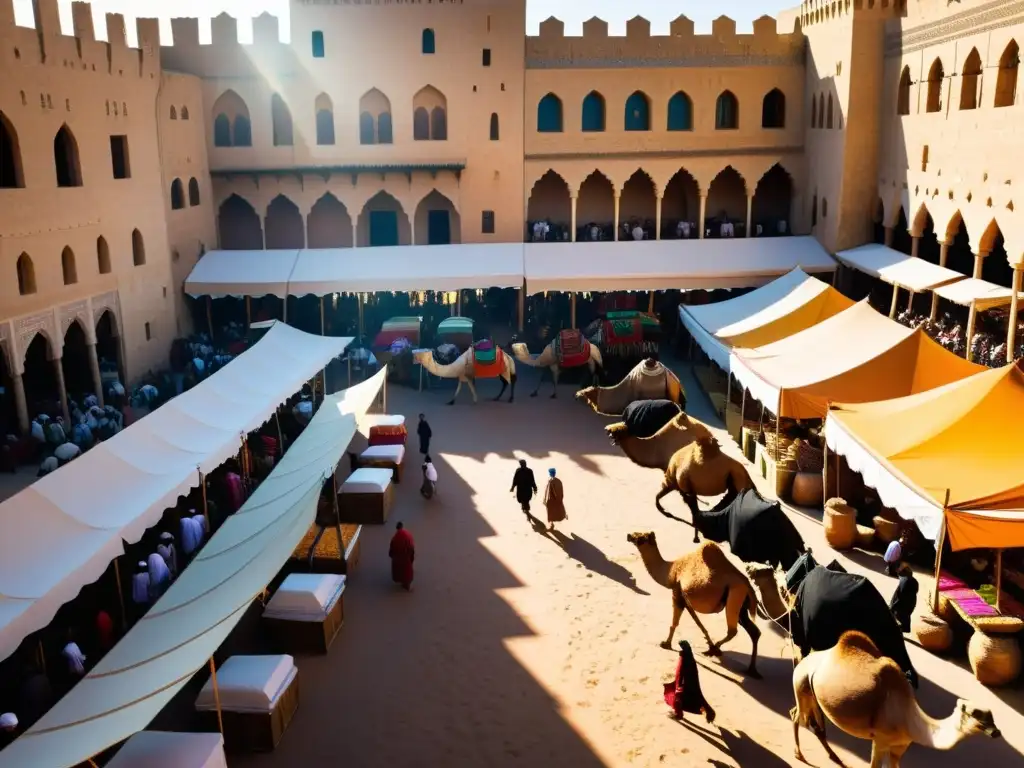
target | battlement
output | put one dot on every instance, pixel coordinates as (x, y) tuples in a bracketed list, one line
[(553, 49), (224, 55), (45, 44), (821, 11)]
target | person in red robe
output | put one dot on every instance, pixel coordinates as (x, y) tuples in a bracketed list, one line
[(402, 553), (683, 694)]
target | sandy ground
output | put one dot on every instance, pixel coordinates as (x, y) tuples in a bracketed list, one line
[(520, 648)]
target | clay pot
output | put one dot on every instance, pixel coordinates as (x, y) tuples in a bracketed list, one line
[(995, 659), (932, 633), (840, 527), (808, 489)]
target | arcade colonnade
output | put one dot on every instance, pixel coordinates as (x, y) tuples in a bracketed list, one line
[(53, 324)]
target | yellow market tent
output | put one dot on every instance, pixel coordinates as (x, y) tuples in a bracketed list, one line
[(962, 439), (792, 303), (855, 356)]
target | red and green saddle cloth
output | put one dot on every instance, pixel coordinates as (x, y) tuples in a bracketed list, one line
[(488, 360), (628, 327), (571, 349)]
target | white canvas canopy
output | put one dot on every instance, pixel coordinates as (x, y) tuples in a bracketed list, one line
[(136, 679), (655, 265), (896, 268), (61, 533), (322, 271), (981, 293), (242, 273), (162, 749)]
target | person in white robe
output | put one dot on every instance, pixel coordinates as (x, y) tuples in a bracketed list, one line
[(159, 576), (48, 465), (189, 543), (140, 588), (202, 528), (168, 552), (66, 452), (74, 656)]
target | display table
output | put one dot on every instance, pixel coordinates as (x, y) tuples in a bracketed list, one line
[(366, 496), (307, 612), (385, 457), (258, 697), (162, 749)]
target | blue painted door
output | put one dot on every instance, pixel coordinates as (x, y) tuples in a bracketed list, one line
[(383, 228)]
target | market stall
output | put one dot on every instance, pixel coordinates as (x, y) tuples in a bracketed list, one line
[(978, 295)]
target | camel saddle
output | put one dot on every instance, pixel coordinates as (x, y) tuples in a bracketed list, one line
[(488, 360), (571, 348)]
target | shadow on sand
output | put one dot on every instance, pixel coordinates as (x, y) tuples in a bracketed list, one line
[(590, 557), (738, 746)]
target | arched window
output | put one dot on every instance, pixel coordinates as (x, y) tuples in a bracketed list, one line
[(193, 192), (221, 131), (438, 124), (638, 112), (26, 275), (174, 113), (177, 195), (65, 158), (549, 114), (138, 249), (324, 120), (67, 267), (103, 255), (814, 111), (421, 124), (494, 126), (593, 112), (366, 128), (970, 81), (773, 109), (727, 112), (680, 112), (384, 128), (281, 120), (10, 156), (242, 133), (903, 93), (1006, 80), (318, 44), (935, 77), (427, 41), (828, 112), (184, 113)]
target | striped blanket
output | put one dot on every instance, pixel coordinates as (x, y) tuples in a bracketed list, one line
[(488, 360), (571, 349)]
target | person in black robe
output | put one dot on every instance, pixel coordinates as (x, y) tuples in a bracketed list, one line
[(904, 599), (684, 694), (424, 433), (524, 485)]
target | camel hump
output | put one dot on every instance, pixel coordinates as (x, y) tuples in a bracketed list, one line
[(858, 642)]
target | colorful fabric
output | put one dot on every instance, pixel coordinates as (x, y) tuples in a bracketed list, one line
[(485, 352), (971, 603), (623, 331), (948, 581), (571, 349), (488, 360), (388, 435)]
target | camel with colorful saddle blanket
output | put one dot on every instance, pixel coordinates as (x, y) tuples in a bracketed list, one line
[(483, 360), (569, 349)]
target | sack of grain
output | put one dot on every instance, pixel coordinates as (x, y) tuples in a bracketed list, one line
[(840, 525), (932, 632), (995, 659)]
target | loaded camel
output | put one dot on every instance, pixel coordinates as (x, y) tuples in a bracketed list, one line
[(701, 469), (484, 360), (570, 349), (649, 380), (866, 695), (703, 581)]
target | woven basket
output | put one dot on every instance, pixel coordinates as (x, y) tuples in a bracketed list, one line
[(995, 659), (946, 611), (809, 490), (809, 458), (932, 632), (887, 530), (865, 537), (840, 527)]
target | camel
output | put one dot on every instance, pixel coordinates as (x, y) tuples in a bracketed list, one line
[(701, 469), (466, 369), (656, 451), (704, 581), (866, 695), (554, 359), (649, 380)]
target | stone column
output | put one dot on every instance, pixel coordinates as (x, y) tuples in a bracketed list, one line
[(574, 196), (703, 210), (943, 257), (888, 237), (94, 368), (979, 261), (617, 199), (412, 229), (1011, 331), (355, 233), (58, 367), (658, 197), (915, 243), (750, 213), (19, 402)]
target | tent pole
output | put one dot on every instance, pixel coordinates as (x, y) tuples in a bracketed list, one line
[(202, 486), (92, 763), (280, 434), (322, 316), (572, 310), (248, 312), (938, 555), (42, 654), (910, 301), (348, 358), (384, 390), (337, 521), (360, 314), (972, 317), (650, 304), (895, 298), (999, 576), (778, 423), (216, 696), (120, 592), (838, 468), (284, 312), (209, 316)]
